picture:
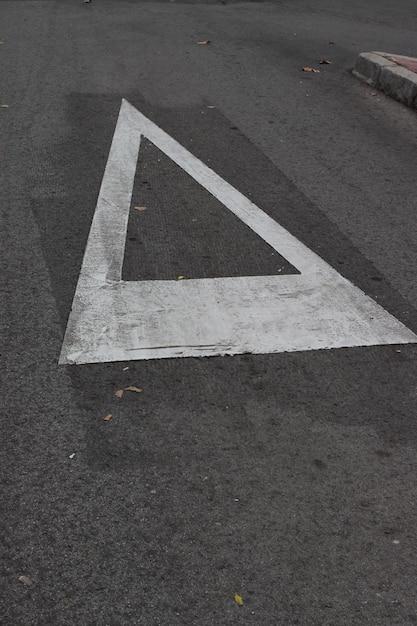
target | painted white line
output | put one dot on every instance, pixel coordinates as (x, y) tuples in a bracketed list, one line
[(115, 320)]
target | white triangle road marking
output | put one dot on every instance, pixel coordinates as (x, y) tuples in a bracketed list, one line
[(116, 320)]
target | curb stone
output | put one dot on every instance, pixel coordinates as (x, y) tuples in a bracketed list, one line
[(379, 70)]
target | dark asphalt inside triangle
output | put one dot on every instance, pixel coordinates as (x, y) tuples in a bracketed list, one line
[(177, 228)]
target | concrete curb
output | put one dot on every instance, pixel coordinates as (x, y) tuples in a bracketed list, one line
[(380, 71)]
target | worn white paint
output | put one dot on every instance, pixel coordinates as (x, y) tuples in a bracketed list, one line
[(114, 320)]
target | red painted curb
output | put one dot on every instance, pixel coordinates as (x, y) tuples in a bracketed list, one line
[(408, 62)]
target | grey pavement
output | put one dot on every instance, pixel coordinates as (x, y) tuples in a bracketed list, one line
[(289, 479)]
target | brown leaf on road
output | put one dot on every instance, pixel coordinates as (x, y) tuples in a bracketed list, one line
[(119, 393), (133, 388), (26, 580), (307, 68), (238, 599), (325, 62), (205, 42), (108, 418)]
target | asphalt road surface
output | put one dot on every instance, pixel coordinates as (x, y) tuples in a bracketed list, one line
[(287, 478)]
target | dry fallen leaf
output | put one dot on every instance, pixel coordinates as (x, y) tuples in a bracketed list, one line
[(133, 388), (205, 42), (108, 418), (26, 580), (119, 393), (238, 599), (140, 208), (325, 62), (307, 68)]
